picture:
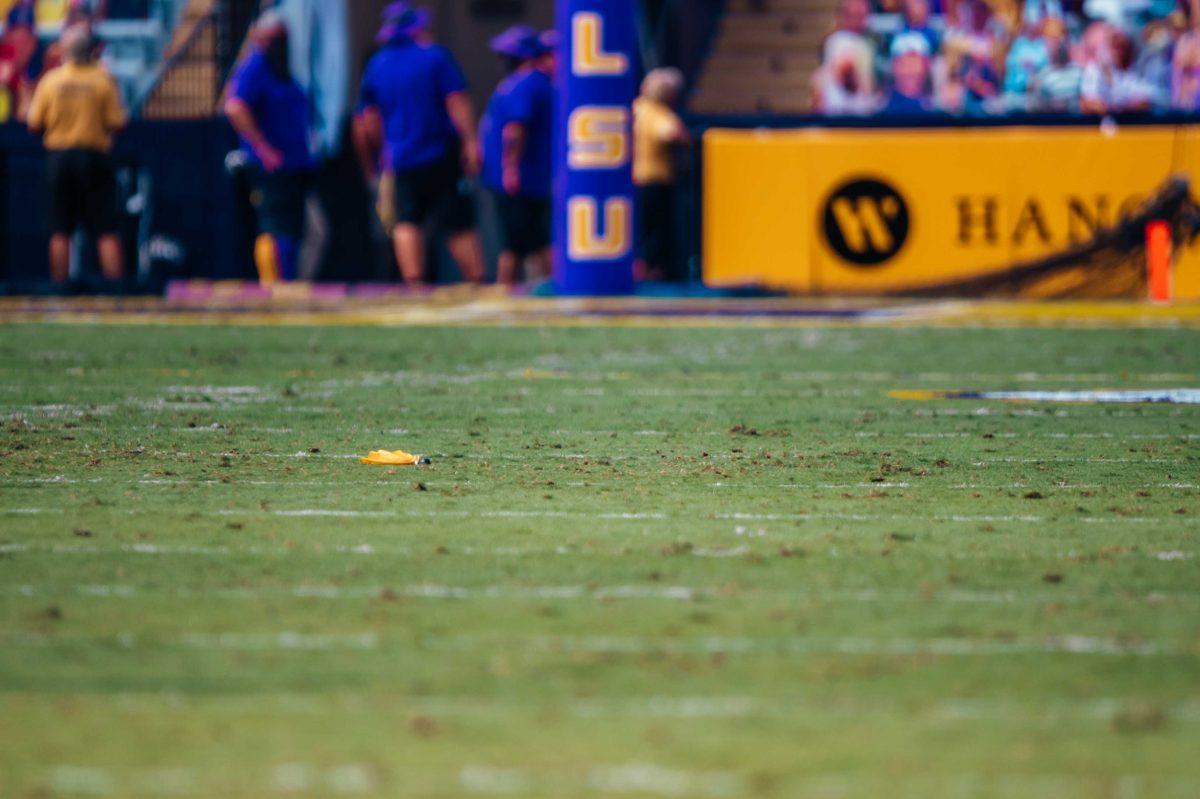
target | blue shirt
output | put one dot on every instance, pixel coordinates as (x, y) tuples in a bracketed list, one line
[(901, 105), (281, 110), (527, 98), (21, 16), (409, 83)]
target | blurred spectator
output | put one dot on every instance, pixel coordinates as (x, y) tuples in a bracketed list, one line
[(973, 40), (917, 19), (17, 49), (273, 118), (1056, 88), (846, 81), (1185, 73), (415, 102), (77, 109), (911, 90), (657, 133), (518, 151), (1028, 57), (1109, 83), (1153, 64)]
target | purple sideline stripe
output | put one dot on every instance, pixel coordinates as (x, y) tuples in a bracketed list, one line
[(231, 297)]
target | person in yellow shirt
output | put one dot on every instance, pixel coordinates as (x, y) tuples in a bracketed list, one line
[(77, 111), (657, 134)]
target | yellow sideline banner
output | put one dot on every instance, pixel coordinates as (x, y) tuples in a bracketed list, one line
[(890, 211)]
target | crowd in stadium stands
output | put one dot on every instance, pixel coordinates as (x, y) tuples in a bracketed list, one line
[(996, 57), (23, 60)]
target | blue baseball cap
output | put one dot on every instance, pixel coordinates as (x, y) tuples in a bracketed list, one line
[(401, 19), (519, 41)]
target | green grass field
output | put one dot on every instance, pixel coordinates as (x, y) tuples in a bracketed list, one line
[(652, 562)]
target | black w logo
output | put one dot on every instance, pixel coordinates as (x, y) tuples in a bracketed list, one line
[(866, 222)]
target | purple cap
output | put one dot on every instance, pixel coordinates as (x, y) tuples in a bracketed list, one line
[(401, 19), (519, 41), (549, 40)]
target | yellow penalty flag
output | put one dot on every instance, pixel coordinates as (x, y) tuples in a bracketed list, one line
[(383, 457)]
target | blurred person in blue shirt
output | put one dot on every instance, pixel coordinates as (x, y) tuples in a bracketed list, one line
[(918, 19), (517, 135), (1028, 56), (414, 104), (273, 118), (911, 90)]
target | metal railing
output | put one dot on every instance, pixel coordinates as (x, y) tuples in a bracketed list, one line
[(189, 82)]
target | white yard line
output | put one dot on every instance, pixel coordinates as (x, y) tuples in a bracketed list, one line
[(946, 647), (677, 593), (290, 641), (320, 513)]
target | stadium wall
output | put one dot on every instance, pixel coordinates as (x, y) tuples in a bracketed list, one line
[(824, 211)]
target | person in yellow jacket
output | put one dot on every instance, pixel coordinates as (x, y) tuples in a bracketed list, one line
[(657, 134), (77, 110)]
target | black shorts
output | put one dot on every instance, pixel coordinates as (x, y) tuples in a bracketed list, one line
[(437, 193), (83, 192), (279, 199), (656, 236), (524, 223)]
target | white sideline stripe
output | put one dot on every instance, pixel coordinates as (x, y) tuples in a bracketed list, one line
[(602, 593)]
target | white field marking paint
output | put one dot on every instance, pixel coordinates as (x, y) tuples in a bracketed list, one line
[(599, 593), (53, 481), (1066, 459), (220, 428), (78, 780), (802, 517), (950, 647), (818, 486), (310, 513), (1086, 710), (1051, 436), (1170, 521), (668, 707), (368, 550), (1173, 556), (659, 706), (347, 780), (646, 778), (1080, 412), (718, 552), (60, 411), (1180, 396), (282, 641), (486, 779)]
